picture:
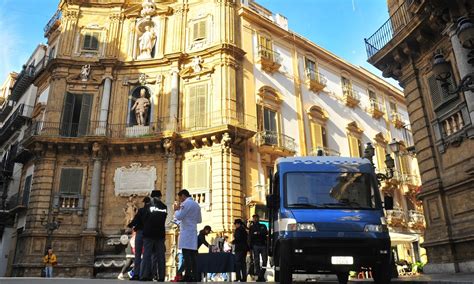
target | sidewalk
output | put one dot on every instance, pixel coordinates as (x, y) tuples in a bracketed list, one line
[(459, 278)]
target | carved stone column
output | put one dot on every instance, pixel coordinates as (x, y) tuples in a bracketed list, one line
[(92, 215), (168, 144), (104, 104), (174, 97)]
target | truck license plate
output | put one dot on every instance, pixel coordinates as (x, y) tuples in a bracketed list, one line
[(342, 260)]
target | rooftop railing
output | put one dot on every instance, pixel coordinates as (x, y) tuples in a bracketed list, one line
[(399, 19), (53, 22)]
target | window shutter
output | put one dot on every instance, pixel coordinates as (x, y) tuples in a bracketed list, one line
[(316, 135), (95, 41), (85, 114), (260, 117), (201, 92), (26, 191), (68, 110), (354, 146), (405, 168), (87, 41), (191, 106), (199, 30), (197, 175), (380, 154), (71, 181), (435, 92)]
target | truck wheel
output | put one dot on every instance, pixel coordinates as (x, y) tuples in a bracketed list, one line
[(343, 278), (285, 274), (382, 274)]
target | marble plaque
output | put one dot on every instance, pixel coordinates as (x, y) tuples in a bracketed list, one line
[(134, 180)]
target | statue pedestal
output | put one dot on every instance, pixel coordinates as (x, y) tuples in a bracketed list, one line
[(137, 131)]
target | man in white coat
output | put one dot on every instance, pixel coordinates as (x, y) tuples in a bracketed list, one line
[(188, 212)]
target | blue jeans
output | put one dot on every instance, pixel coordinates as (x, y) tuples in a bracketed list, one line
[(138, 253), (153, 249), (48, 272)]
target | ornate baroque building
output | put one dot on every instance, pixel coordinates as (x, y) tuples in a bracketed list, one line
[(205, 95), (428, 47)]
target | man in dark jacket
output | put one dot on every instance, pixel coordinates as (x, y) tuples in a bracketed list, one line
[(202, 236), (258, 245), (154, 221), (241, 249), (137, 226)]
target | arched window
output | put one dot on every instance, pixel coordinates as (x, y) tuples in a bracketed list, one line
[(317, 121), (354, 135)]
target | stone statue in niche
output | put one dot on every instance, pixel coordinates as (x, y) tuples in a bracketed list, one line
[(130, 210), (147, 43), (85, 72), (141, 106)]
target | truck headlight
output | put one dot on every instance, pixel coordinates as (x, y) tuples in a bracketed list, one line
[(376, 228), (302, 227)]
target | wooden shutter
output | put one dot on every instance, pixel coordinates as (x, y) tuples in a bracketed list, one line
[(316, 135), (95, 41), (270, 120), (26, 190), (405, 167), (380, 154), (85, 115), (199, 30), (260, 118), (196, 175), (91, 40), (70, 182), (354, 146), (68, 110), (201, 94), (191, 111)]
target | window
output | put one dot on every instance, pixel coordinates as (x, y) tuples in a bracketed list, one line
[(311, 72), (355, 146), (439, 96), (71, 181), (52, 52), (372, 96), (265, 47), (76, 114), (197, 106), (196, 175), (346, 83), (268, 123), (26, 191), (380, 153), (91, 41), (393, 107), (199, 30), (318, 136)]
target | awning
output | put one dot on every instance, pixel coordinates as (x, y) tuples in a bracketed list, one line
[(400, 238)]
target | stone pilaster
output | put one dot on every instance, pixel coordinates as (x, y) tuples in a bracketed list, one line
[(94, 198), (68, 30), (168, 144)]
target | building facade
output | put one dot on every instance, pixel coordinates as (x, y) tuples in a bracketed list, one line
[(418, 39), (202, 95)]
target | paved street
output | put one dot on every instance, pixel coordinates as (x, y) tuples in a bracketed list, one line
[(423, 279)]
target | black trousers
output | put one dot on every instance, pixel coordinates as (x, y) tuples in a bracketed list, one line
[(190, 265), (257, 252), (241, 266)]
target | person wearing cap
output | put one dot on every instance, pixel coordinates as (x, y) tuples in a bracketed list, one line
[(137, 226), (202, 236), (258, 245), (241, 249), (188, 212), (154, 221)]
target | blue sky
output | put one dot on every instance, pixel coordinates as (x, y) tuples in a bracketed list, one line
[(336, 25)]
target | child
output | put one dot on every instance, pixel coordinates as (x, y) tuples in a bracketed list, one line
[(49, 261)]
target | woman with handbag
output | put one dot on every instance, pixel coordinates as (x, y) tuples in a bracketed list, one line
[(49, 260)]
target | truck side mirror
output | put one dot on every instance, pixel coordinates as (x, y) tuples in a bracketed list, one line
[(388, 202), (273, 201)]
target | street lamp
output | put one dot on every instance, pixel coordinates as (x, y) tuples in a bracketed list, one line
[(442, 69), (369, 154), (49, 226), (394, 146)]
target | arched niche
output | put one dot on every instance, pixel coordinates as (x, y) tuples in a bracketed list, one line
[(132, 99)]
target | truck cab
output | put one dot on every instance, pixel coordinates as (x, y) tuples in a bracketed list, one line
[(326, 217)]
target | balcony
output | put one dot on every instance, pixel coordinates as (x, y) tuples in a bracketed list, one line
[(391, 28), (396, 217), (216, 120), (68, 202), (350, 97), (315, 81), (397, 120), (268, 59), (411, 180), (16, 120), (416, 220), (324, 151), (53, 23), (26, 78), (376, 109), (275, 142)]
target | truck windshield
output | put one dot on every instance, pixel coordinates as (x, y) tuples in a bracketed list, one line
[(329, 190)]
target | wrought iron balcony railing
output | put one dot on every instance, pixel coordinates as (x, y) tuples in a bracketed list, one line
[(53, 22), (15, 121), (277, 139), (397, 21), (269, 59), (396, 217), (315, 80), (416, 219)]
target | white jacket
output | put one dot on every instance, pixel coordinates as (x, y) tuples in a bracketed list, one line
[(190, 215)]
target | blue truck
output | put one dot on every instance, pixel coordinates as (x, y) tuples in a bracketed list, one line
[(326, 217)]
